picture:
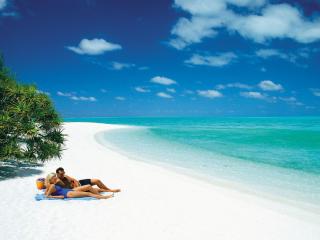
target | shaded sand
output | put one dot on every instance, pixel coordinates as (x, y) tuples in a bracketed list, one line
[(155, 203)]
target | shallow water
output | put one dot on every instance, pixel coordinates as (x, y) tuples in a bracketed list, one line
[(280, 156)]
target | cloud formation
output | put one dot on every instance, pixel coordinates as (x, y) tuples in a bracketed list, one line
[(119, 98), (255, 20), (212, 61), (44, 92), (164, 95), (120, 66), (267, 53), (255, 95), (291, 101), (94, 47), (73, 96), (233, 85), (192, 31), (209, 93), (81, 98), (301, 53), (142, 90), (268, 85), (315, 91), (162, 80), (65, 94), (172, 90)]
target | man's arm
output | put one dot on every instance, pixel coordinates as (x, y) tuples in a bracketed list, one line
[(59, 182), (76, 183)]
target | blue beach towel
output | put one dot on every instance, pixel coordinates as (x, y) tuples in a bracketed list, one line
[(41, 196)]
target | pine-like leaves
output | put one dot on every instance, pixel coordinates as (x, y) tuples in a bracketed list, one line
[(30, 127)]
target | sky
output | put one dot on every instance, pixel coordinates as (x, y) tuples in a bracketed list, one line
[(98, 58)]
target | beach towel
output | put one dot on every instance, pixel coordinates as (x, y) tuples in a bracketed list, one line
[(41, 196)]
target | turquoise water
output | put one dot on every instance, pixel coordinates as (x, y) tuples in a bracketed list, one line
[(280, 156)]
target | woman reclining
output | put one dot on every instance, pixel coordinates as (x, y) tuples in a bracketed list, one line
[(55, 191)]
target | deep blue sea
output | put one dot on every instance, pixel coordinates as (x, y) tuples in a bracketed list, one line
[(275, 156)]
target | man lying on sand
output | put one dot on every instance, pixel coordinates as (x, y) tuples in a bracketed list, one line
[(55, 191), (71, 183)]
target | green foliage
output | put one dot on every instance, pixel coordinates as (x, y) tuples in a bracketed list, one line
[(30, 127)]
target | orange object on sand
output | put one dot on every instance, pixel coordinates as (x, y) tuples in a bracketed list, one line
[(40, 183)]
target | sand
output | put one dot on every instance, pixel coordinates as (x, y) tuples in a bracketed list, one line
[(155, 203)]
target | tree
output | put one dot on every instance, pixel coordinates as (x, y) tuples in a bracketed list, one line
[(30, 127)]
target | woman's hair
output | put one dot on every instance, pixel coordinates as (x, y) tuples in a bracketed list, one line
[(49, 176)]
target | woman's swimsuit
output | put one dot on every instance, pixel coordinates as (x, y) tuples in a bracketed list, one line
[(61, 191)]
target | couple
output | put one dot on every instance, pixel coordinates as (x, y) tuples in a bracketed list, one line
[(59, 185)]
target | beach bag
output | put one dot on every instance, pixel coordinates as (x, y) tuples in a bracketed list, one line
[(40, 183)]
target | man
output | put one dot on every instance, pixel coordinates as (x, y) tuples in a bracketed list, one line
[(72, 183)]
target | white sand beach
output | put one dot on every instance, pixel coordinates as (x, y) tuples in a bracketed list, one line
[(155, 203)]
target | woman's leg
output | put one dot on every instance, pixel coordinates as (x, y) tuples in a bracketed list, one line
[(87, 188), (79, 194)]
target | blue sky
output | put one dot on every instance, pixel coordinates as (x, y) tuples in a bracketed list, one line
[(167, 58)]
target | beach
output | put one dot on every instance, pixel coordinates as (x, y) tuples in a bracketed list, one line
[(155, 203)]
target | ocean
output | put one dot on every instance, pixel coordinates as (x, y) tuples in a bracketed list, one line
[(276, 157)]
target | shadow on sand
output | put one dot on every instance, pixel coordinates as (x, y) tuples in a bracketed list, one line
[(12, 169)]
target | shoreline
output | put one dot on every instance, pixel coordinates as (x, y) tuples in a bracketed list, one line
[(154, 203), (215, 181)]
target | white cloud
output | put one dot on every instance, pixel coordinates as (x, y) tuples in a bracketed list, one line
[(212, 61), (259, 21), (120, 98), (256, 95), (120, 66), (192, 31), (209, 93), (233, 85), (141, 89), (64, 94), (286, 21), (81, 98), (209, 7), (94, 47), (164, 95), (103, 90), (201, 7), (291, 101), (315, 91), (73, 96), (306, 52), (288, 99), (266, 53), (3, 4), (268, 85), (248, 3), (163, 80), (172, 90), (293, 56), (43, 92)]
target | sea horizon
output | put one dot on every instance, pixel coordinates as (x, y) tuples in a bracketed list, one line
[(69, 119)]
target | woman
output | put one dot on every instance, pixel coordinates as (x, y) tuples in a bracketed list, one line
[(55, 191)]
